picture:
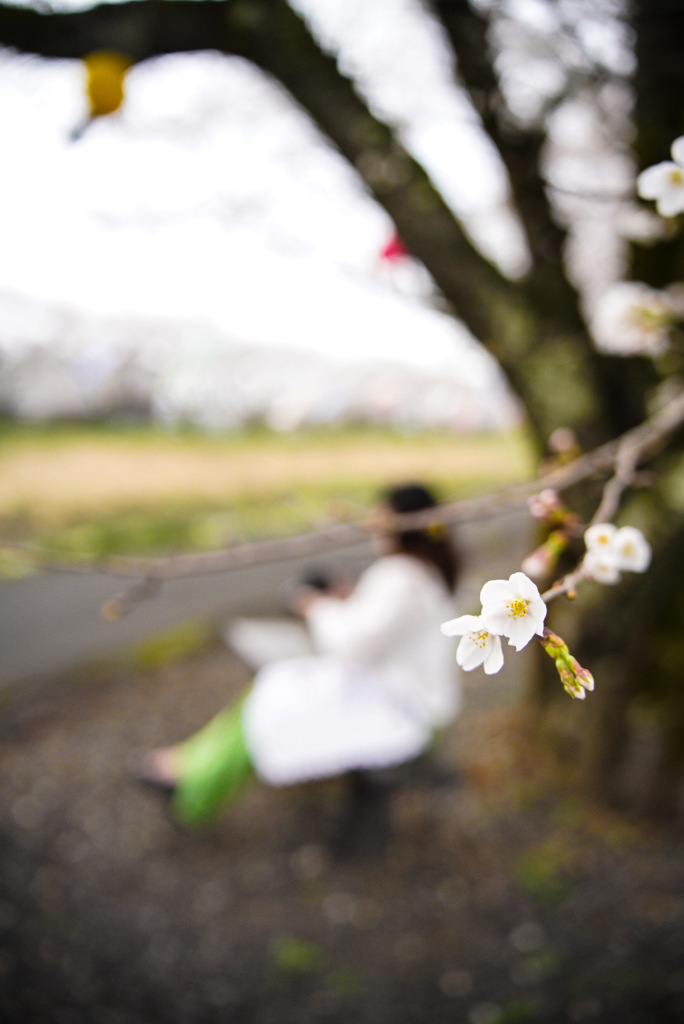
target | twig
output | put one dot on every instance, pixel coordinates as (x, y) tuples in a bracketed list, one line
[(624, 454), (626, 463), (565, 586), (630, 450)]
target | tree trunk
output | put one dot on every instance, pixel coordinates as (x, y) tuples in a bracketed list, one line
[(638, 631)]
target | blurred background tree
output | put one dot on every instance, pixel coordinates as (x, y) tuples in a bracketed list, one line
[(534, 73)]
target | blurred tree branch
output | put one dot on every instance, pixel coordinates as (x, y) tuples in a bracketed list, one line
[(520, 150), (620, 457)]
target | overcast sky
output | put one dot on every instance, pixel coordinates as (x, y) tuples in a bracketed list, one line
[(209, 194)]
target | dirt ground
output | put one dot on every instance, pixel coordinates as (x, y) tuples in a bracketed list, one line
[(470, 893)]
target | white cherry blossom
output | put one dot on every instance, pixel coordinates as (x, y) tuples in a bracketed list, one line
[(632, 549), (664, 182), (600, 564), (633, 319), (513, 608), (600, 536), (478, 646), (611, 551), (601, 561)]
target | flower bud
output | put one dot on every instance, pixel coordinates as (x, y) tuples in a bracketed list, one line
[(571, 684), (538, 564), (551, 642), (576, 680), (544, 504), (585, 677), (542, 561), (563, 441)]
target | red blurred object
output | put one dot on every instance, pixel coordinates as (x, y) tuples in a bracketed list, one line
[(394, 251)]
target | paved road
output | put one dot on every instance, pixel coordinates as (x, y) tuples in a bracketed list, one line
[(51, 623)]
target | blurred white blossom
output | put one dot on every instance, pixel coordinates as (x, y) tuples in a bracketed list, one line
[(638, 224), (611, 551), (632, 549), (599, 564), (633, 319)]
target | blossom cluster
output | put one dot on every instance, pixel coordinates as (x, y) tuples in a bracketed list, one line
[(511, 608), (632, 318), (514, 609), (611, 551)]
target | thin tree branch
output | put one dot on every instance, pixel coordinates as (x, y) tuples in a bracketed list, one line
[(520, 150), (624, 454), (629, 451), (278, 41), (626, 462)]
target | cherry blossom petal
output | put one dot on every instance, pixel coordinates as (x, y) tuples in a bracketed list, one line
[(494, 660), (671, 201), (524, 586), (521, 631), (462, 625), (495, 618), (480, 648), (653, 180), (495, 590), (677, 150), (469, 655), (537, 611)]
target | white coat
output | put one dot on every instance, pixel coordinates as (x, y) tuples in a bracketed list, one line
[(382, 680)]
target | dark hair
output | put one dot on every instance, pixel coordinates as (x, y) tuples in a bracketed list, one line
[(431, 545)]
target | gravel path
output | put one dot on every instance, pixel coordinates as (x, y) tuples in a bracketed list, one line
[(480, 897)]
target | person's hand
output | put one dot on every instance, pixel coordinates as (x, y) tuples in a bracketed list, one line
[(301, 599)]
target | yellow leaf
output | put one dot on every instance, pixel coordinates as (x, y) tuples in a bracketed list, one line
[(105, 82)]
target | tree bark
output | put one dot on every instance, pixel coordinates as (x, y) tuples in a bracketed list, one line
[(638, 631)]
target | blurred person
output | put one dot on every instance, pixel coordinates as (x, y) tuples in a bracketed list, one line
[(381, 683)]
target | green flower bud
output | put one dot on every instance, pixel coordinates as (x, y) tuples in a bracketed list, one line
[(576, 680)]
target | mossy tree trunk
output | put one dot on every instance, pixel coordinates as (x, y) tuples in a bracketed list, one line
[(635, 635)]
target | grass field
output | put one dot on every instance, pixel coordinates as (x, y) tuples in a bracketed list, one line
[(98, 490)]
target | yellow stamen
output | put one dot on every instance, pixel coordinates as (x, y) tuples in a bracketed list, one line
[(517, 609), (479, 639)]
